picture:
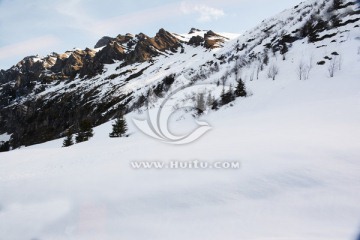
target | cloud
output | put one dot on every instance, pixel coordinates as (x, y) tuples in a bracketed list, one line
[(206, 13), (30, 46)]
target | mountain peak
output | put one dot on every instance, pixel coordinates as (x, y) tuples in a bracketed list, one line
[(103, 42), (194, 30)]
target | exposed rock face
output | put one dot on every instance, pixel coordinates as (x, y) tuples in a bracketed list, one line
[(213, 40), (196, 41), (103, 42), (148, 47), (164, 41), (111, 52), (194, 30), (33, 115), (210, 40), (22, 117), (33, 118), (70, 63), (89, 62)]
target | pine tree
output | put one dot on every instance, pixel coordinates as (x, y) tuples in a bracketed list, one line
[(216, 67), (85, 131), (228, 96), (215, 105), (4, 146), (266, 59), (337, 4), (240, 90), (68, 141), (119, 127), (284, 50)]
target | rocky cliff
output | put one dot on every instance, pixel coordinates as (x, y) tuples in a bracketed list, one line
[(33, 115)]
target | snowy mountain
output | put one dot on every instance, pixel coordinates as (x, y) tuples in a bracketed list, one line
[(294, 133), (43, 97)]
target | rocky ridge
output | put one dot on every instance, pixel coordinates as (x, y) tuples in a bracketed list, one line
[(22, 84)]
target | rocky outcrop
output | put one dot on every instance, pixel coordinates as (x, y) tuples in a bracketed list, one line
[(210, 40), (196, 41), (213, 40), (164, 41), (34, 120), (147, 47), (103, 42), (88, 62), (194, 30)]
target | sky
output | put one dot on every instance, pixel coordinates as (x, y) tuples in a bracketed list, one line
[(41, 27)]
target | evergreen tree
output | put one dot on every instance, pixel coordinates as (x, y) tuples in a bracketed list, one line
[(68, 141), (4, 146), (337, 4), (284, 50), (215, 105), (266, 59), (119, 127), (222, 92), (216, 67), (85, 131), (240, 90), (228, 96)]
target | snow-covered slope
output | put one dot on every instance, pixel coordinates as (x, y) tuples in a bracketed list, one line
[(62, 89), (296, 140)]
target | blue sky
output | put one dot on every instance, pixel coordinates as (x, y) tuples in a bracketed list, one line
[(41, 26)]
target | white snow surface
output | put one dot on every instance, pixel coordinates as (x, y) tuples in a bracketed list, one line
[(297, 141), (187, 36)]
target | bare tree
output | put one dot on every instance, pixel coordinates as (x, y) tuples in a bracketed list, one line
[(303, 71), (237, 69), (151, 98), (223, 80), (300, 70), (333, 66), (273, 71), (340, 62), (209, 100), (252, 74), (258, 69), (311, 62), (200, 103)]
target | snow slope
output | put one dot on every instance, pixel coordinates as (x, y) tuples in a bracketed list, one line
[(297, 141)]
